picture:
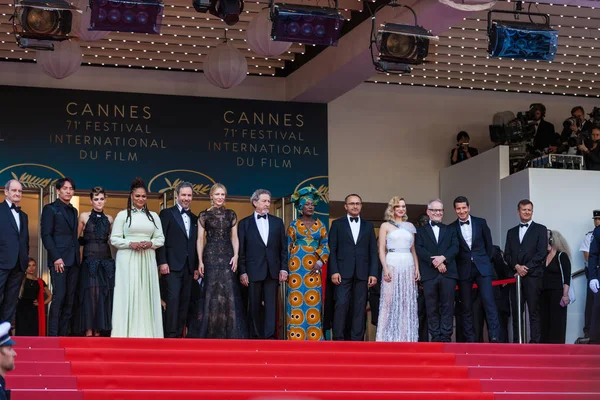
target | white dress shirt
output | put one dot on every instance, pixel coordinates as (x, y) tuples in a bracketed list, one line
[(523, 230), (186, 220), (355, 227), (436, 232), (467, 231), (263, 227), (15, 215)]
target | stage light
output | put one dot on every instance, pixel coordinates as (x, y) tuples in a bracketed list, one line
[(38, 24), (139, 16), (228, 10), (306, 24), (399, 46), (522, 40)]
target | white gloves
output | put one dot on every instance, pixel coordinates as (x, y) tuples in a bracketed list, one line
[(594, 285)]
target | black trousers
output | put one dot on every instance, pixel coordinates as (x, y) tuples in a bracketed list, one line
[(64, 285), (589, 305), (10, 285), (422, 313), (350, 307), (486, 295), (439, 302), (553, 317), (595, 320), (178, 289), (263, 326), (531, 290)]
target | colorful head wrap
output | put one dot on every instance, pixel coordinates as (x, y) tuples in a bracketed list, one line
[(303, 195)]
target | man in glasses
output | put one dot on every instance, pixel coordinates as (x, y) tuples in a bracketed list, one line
[(437, 246), (352, 267)]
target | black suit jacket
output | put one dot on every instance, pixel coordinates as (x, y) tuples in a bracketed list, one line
[(14, 245), (594, 259), (531, 253), (481, 251), (257, 259), (59, 234), (426, 247), (178, 248), (545, 136), (351, 260)]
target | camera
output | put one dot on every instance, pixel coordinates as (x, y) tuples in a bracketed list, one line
[(569, 122), (595, 116)]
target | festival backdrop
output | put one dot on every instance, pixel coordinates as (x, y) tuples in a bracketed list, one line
[(106, 139)]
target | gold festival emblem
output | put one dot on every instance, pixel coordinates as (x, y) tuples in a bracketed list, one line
[(30, 176), (169, 180)]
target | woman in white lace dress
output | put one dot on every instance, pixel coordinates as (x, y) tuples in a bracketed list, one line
[(398, 320)]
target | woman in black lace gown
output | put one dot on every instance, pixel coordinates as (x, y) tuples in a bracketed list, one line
[(222, 314), (97, 275)]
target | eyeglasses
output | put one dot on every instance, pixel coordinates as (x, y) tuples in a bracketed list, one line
[(353, 204), (435, 210)]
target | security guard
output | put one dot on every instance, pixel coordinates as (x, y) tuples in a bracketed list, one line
[(7, 358), (589, 300)]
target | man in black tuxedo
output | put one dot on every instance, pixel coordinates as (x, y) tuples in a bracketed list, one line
[(59, 236), (437, 246), (262, 263), (14, 249), (525, 253), (177, 259), (353, 263), (474, 265)]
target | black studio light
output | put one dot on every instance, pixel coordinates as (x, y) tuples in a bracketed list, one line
[(306, 24), (37, 24), (399, 46), (138, 16), (228, 10)]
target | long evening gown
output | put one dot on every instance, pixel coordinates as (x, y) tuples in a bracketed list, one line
[(306, 245), (136, 305), (398, 317), (222, 313), (97, 276), (27, 322)]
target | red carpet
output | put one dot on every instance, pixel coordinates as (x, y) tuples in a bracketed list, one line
[(149, 369)]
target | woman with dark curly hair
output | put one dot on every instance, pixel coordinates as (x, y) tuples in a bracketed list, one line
[(137, 233)]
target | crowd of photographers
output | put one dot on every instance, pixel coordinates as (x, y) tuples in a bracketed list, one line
[(580, 136)]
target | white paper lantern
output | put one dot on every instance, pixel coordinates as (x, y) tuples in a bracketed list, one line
[(469, 5), (258, 36), (81, 23), (225, 66), (64, 61)]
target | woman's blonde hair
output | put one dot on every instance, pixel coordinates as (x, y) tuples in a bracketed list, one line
[(214, 189), (558, 242), (389, 211)]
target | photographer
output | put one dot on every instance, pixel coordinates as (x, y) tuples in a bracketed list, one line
[(575, 130), (591, 150), (545, 137), (462, 151)]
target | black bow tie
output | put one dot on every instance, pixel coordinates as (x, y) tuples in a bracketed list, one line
[(435, 223), (523, 225), (184, 211), (465, 223), (261, 216), (15, 207), (353, 219)]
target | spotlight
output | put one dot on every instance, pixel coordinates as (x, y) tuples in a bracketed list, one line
[(522, 40), (399, 45), (202, 6), (38, 24), (228, 10), (306, 24), (139, 16)]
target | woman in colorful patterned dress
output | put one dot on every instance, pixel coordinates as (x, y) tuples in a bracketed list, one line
[(308, 252)]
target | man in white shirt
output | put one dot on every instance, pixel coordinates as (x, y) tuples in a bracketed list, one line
[(14, 255), (263, 265), (589, 297)]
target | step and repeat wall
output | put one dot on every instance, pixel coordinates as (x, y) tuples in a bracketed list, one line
[(107, 139)]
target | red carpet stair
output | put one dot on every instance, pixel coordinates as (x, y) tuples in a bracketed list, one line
[(181, 369)]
